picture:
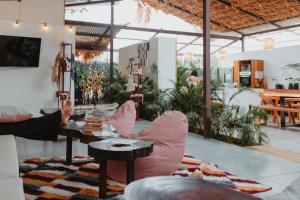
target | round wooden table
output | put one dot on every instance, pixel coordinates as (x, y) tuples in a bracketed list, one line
[(118, 149), (181, 188)]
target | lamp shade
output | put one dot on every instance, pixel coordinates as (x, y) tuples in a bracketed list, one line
[(188, 56), (269, 44), (222, 55)]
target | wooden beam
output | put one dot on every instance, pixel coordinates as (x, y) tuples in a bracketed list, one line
[(193, 14), (122, 27), (206, 70), (88, 3), (229, 4)]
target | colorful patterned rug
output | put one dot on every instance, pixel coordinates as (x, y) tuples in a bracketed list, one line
[(50, 178)]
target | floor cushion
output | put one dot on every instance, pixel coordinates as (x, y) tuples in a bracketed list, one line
[(123, 119), (168, 132)]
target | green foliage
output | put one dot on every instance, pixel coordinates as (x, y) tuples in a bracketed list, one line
[(259, 113), (231, 123), (115, 92), (87, 77)]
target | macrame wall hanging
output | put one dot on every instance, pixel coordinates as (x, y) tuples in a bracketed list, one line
[(143, 12)]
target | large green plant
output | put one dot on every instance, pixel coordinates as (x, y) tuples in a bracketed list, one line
[(229, 121), (117, 91), (236, 124)]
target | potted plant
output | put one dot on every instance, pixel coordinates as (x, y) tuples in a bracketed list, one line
[(260, 115)]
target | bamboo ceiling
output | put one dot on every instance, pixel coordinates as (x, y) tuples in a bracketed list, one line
[(230, 15)]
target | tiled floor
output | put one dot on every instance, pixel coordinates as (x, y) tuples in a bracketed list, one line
[(243, 162)]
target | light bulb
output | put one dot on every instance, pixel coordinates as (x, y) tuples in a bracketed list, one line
[(268, 44), (70, 29), (17, 23), (45, 27)]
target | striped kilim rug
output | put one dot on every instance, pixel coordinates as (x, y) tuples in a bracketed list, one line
[(50, 178)]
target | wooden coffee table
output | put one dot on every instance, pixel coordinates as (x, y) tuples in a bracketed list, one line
[(119, 150), (72, 131)]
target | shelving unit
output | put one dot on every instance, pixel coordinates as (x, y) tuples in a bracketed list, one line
[(249, 73), (62, 92)]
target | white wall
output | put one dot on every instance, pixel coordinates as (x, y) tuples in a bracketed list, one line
[(162, 53), (32, 88), (167, 58), (42, 11), (275, 62)]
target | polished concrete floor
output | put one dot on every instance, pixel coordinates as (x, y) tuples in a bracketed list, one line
[(240, 161)]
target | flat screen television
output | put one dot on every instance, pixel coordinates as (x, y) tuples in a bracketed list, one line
[(19, 51)]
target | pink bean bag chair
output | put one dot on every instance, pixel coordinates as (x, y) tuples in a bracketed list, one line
[(123, 119), (168, 133)]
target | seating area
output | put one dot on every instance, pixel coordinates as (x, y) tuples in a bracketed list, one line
[(149, 99)]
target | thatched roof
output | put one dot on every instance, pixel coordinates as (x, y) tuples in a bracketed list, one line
[(230, 15), (90, 36)]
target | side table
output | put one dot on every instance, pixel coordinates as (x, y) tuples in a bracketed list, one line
[(120, 150)]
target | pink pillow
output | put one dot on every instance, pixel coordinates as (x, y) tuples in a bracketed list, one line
[(10, 114), (168, 132), (123, 119)]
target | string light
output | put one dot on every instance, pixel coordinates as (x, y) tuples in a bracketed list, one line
[(17, 23), (188, 56), (222, 55), (45, 27), (70, 29)]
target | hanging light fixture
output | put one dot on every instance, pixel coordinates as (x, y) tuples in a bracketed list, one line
[(269, 44), (70, 29), (45, 26), (17, 22), (222, 55), (188, 56), (143, 12)]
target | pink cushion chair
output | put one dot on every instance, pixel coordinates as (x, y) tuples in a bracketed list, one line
[(168, 133), (123, 119)]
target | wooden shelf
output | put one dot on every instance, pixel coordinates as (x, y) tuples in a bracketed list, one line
[(253, 68)]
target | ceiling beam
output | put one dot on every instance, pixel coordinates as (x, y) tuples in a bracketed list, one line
[(89, 3), (193, 14), (101, 37), (223, 47), (153, 36), (229, 4), (87, 34), (175, 32), (122, 27), (187, 44), (273, 30)]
